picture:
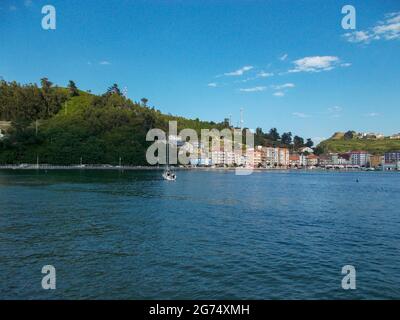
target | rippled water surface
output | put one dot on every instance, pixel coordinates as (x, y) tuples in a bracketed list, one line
[(210, 235)]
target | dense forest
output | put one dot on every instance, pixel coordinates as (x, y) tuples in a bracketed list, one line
[(61, 125)]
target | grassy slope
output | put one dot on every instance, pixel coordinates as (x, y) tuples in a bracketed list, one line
[(336, 144)]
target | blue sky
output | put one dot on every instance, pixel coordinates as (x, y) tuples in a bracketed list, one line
[(289, 64)]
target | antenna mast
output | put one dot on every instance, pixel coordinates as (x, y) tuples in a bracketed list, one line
[(125, 92)]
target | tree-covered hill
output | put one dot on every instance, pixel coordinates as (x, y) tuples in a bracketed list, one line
[(62, 125)]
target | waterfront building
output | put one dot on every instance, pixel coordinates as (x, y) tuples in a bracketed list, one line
[(359, 158), (325, 160), (259, 157), (376, 161), (335, 158), (239, 159), (343, 159), (271, 157), (303, 160), (248, 158), (283, 157), (229, 158), (392, 157), (218, 157), (312, 160), (202, 161), (294, 160)]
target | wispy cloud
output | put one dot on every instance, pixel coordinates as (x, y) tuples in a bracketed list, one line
[(388, 29), (28, 3), (283, 57), (261, 74), (372, 114), (105, 63), (358, 36), (239, 72), (315, 64), (12, 8), (283, 86), (264, 74), (300, 115), (212, 85), (254, 89), (335, 111), (279, 94)]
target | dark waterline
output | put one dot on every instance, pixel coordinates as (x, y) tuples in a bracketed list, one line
[(210, 235)]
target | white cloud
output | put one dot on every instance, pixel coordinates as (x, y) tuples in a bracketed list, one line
[(358, 36), (346, 64), (254, 89), (239, 72), (12, 8), (372, 114), (284, 86), (388, 29), (283, 57), (212, 85), (315, 64), (104, 63), (300, 115), (279, 94), (28, 3)]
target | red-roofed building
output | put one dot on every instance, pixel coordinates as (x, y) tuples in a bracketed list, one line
[(312, 160)]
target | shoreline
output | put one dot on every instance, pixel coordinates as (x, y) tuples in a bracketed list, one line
[(149, 168)]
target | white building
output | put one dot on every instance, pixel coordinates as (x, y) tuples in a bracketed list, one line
[(229, 158), (1, 135), (218, 157), (271, 157), (359, 158)]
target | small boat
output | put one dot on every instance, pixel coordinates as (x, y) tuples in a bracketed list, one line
[(168, 174)]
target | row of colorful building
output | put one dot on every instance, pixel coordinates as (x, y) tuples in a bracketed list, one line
[(280, 157)]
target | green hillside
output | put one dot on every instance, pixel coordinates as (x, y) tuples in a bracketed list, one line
[(339, 143), (62, 125)]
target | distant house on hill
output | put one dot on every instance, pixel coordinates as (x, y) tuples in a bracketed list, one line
[(395, 136), (306, 149), (370, 135)]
